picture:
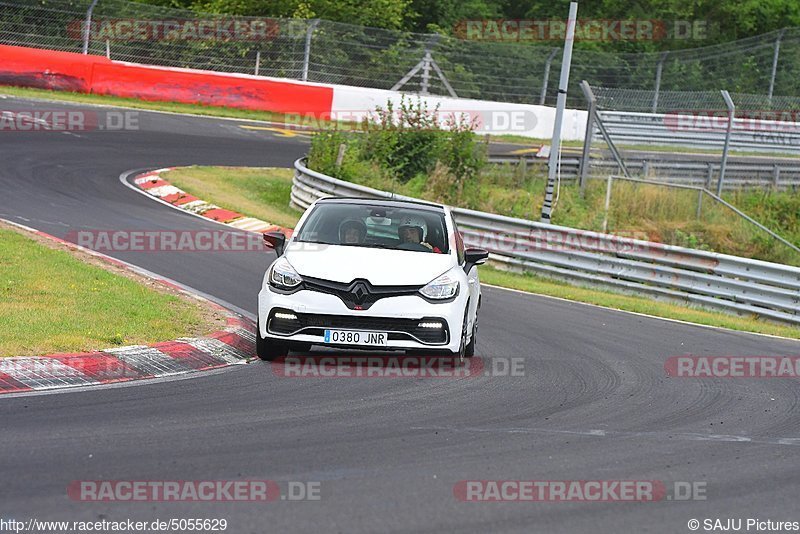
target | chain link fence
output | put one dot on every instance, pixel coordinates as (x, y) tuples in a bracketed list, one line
[(330, 52)]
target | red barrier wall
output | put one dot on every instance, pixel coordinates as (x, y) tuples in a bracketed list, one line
[(203, 87), (47, 69)]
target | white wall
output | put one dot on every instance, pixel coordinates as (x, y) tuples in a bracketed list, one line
[(495, 117)]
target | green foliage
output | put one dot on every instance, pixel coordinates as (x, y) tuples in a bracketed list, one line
[(405, 145)]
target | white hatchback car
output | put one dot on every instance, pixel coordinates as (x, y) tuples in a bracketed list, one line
[(371, 274)]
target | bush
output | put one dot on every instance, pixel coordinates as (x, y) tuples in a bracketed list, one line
[(403, 145)]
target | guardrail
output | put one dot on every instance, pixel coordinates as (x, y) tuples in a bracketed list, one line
[(678, 171), (687, 130), (718, 281)]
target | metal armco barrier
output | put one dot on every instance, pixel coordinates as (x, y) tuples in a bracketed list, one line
[(679, 171), (683, 129), (718, 281)]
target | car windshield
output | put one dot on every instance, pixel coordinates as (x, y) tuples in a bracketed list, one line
[(376, 226)]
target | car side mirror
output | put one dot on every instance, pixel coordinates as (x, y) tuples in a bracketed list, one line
[(474, 256), (275, 240)]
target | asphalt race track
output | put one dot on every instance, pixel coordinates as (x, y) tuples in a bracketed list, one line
[(594, 402)]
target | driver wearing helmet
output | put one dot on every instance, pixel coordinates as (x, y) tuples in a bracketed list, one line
[(412, 230), (352, 232)]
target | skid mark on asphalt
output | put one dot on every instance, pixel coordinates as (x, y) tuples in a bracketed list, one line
[(680, 436)]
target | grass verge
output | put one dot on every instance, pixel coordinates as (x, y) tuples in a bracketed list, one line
[(260, 193), (239, 188), (55, 299)]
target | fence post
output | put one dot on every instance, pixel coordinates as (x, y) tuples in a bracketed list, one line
[(659, 69), (776, 176), (307, 53), (108, 49), (563, 84), (587, 138), (731, 113), (546, 78), (258, 61), (87, 24), (775, 65)]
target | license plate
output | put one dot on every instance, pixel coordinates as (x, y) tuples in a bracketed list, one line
[(352, 337)]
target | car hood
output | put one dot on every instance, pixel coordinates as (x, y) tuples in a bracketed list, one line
[(381, 267)]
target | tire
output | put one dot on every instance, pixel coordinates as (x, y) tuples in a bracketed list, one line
[(268, 349), (469, 350), (462, 348)]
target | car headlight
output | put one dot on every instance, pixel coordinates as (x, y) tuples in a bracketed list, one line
[(443, 287), (283, 276)]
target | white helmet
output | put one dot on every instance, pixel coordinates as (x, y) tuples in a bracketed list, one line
[(414, 221)]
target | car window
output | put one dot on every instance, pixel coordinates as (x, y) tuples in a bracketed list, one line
[(376, 226)]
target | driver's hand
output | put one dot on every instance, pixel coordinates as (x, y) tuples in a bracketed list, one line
[(427, 245)]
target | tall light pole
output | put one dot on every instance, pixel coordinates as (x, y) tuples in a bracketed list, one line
[(555, 146)]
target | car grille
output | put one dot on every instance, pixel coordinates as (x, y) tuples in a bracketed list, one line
[(398, 328), (358, 294)]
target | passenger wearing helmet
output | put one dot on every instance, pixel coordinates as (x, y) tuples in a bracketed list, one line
[(412, 230), (352, 232)]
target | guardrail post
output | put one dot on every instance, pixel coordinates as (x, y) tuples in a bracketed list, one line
[(87, 26), (709, 175), (307, 53), (723, 164), (775, 65), (523, 166), (645, 168), (699, 204), (659, 69), (608, 202), (776, 176), (340, 155), (546, 78), (587, 138)]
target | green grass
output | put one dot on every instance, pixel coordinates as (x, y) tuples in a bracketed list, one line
[(51, 301), (265, 193), (260, 193)]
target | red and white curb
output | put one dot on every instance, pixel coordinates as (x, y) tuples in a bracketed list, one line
[(233, 345), (152, 184)]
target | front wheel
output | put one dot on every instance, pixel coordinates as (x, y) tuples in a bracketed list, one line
[(268, 349), (469, 350)]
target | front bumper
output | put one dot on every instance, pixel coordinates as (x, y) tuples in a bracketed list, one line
[(398, 316)]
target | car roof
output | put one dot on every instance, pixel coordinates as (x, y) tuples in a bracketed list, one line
[(394, 203)]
